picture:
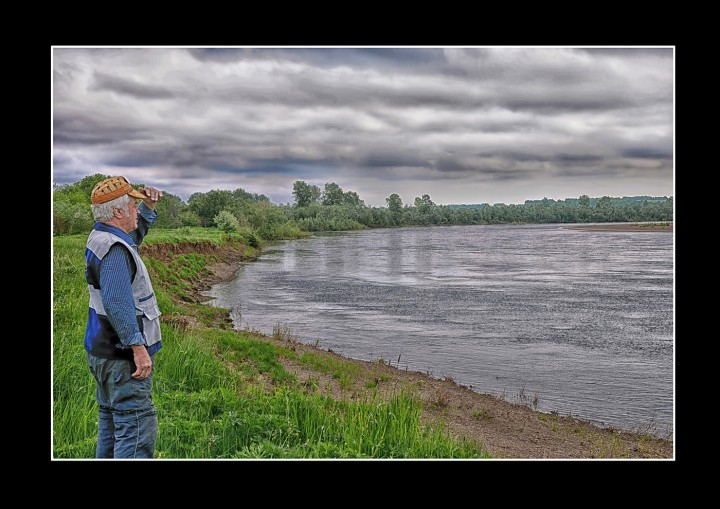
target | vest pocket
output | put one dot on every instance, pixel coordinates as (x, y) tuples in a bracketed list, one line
[(149, 318), (149, 307)]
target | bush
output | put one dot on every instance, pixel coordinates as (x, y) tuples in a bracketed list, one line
[(189, 218), (226, 221), (253, 240), (70, 218)]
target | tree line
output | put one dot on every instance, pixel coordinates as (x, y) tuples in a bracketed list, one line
[(331, 209)]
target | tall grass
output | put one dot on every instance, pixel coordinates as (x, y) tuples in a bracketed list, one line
[(195, 234), (221, 393)]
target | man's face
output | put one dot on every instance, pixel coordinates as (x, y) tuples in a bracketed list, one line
[(128, 222)]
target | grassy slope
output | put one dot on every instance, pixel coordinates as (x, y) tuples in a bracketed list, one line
[(221, 393)]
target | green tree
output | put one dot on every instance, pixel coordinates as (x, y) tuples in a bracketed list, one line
[(70, 218), (305, 194), (266, 219), (208, 205), (189, 218), (604, 203), (226, 221), (353, 199), (424, 203), (240, 194), (71, 206), (585, 211), (333, 194), (395, 207), (78, 192), (170, 210)]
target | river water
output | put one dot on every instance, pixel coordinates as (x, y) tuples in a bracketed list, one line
[(575, 322)]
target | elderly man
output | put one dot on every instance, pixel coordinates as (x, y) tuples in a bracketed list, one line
[(123, 327)]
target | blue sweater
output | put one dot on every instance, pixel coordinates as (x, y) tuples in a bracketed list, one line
[(117, 270)]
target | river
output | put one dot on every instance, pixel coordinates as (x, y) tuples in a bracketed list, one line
[(575, 322)]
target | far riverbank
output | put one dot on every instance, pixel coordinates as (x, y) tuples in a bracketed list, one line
[(625, 227)]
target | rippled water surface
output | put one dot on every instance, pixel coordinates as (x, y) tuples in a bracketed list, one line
[(576, 322)]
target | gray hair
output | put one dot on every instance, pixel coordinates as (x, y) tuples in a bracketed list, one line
[(103, 212)]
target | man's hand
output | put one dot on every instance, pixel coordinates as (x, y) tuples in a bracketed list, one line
[(142, 361), (153, 195)]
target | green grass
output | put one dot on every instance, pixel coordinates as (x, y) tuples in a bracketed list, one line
[(194, 234), (343, 372), (221, 393)]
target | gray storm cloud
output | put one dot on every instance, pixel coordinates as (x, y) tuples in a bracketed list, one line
[(466, 125)]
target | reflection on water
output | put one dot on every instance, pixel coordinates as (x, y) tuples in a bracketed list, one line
[(583, 320)]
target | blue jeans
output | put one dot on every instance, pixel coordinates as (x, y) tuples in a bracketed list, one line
[(128, 424)]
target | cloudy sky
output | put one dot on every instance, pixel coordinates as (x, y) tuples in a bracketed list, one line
[(462, 124)]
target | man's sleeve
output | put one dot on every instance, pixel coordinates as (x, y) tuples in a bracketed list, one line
[(146, 218), (116, 271)]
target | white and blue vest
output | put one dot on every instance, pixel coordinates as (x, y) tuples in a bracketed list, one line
[(101, 340)]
